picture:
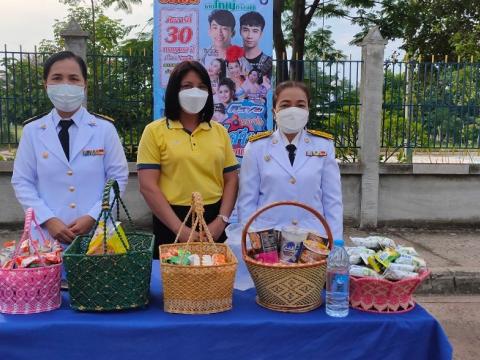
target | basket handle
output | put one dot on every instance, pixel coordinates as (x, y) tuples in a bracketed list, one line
[(27, 235), (196, 211), (106, 214), (283, 203)]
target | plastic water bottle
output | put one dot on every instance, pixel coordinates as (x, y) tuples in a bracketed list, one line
[(338, 266)]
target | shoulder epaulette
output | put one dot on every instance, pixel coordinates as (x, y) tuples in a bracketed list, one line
[(104, 117), (260, 136), (36, 117), (321, 134)]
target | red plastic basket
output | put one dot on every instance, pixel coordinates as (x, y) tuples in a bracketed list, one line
[(384, 296), (30, 290)]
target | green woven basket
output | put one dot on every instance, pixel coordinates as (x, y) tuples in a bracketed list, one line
[(110, 282)]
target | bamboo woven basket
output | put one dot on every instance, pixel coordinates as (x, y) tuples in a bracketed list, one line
[(191, 289), (287, 288)]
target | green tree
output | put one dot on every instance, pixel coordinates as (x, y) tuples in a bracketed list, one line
[(99, 5), (426, 27), (110, 32)]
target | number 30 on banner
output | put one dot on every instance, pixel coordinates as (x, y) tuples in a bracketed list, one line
[(183, 35)]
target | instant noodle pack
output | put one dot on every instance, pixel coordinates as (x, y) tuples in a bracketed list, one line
[(384, 275)]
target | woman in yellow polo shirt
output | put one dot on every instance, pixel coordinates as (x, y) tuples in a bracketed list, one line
[(186, 152)]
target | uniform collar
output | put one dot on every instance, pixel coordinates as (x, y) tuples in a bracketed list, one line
[(295, 140), (176, 124), (76, 117)]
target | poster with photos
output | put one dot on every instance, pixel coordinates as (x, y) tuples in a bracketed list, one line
[(233, 40)]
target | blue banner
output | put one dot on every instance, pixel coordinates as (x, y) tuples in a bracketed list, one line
[(233, 40)]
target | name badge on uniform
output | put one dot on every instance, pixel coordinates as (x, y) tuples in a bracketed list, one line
[(94, 152), (319, 153)]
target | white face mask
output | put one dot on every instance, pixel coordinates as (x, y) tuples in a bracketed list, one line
[(291, 120), (66, 97), (193, 100)]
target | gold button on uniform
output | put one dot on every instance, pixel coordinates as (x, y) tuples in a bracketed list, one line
[(69, 172), (294, 222), (71, 189), (292, 180), (45, 155), (267, 157), (307, 140), (73, 205), (274, 141)]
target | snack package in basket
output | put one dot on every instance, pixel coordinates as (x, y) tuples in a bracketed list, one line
[(185, 257), (391, 262), (265, 244), (50, 252), (114, 244)]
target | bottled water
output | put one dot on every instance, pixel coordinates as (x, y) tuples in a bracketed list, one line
[(337, 281)]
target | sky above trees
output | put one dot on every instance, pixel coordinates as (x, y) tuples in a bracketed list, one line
[(27, 22)]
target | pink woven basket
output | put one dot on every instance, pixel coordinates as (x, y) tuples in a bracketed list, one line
[(384, 296), (30, 290)]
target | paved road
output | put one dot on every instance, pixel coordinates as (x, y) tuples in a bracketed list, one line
[(460, 318)]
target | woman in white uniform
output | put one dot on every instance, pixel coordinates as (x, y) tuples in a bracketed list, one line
[(291, 164), (66, 156)]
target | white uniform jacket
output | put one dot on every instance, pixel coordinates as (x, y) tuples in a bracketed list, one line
[(267, 176), (45, 180)]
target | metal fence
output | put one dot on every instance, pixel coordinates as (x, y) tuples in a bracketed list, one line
[(431, 105), (122, 88)]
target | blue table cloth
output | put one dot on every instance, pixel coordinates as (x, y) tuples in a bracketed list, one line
[(246, 332)]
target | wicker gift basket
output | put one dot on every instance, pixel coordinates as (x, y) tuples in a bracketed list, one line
[(189, 289), (109, 282), (287, 288), (383, 295), (30, 290)]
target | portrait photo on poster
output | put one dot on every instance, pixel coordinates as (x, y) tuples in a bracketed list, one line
[(234, 42)]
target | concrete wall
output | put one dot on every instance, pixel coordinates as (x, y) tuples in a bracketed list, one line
[(413, 195)]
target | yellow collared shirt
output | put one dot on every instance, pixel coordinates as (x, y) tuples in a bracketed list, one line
[(187, 161)]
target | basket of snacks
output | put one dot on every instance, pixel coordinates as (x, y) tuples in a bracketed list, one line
[(110, 268), (30, 272), (288, 267), (384, 276), (197, 276)]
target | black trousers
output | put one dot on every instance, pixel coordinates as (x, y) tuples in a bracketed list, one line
[(163, 235)]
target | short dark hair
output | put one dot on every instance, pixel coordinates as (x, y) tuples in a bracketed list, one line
[(252, 18), (172, 104), (290, 84), (223, 18), (63, 55)]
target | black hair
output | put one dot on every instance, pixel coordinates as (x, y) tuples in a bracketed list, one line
[(63, 55), (223, 67), (223, 18), (252, 18), (172, 104), (230, 84), (290, 84), (259, 75)]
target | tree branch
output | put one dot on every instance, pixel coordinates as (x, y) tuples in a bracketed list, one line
[(311, 11)]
